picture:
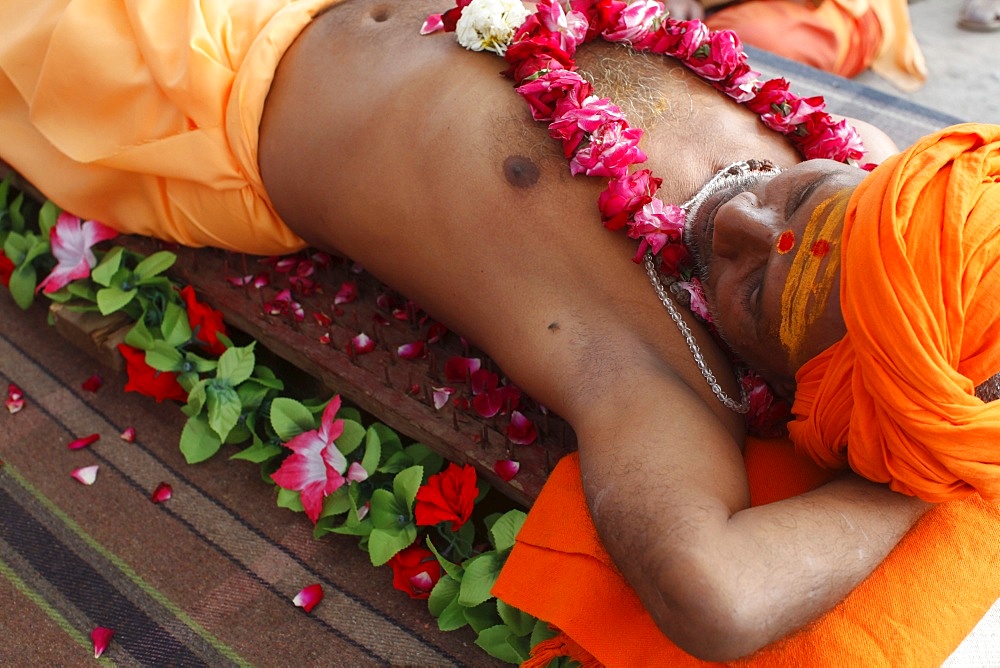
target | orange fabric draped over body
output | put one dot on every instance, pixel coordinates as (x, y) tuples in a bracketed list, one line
[(920, 294), (144, 114), (914, 610)]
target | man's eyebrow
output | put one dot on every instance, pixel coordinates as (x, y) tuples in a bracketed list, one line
[(798, 198)]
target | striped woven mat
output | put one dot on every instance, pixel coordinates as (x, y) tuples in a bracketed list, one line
[(206, 578)]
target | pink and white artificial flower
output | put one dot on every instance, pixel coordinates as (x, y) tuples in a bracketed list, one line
[(316, 467), (71, 240)]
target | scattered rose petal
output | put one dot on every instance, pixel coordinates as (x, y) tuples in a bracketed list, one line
[(240, 281), (347, 293), (15, 398), (86, 474), (361, 344), (325, 338), (460, 369), (411, 351), (386, 302), (380, 319), (101, 636), (356, 472), (309, 597), (322, 319), (128, 435), (262, 280), (363, 510), (506, 469), (422, 582), (93, 384), (436, 332), (521, 430), (432, 24), (162, 493), (440, 396), (84, 442)]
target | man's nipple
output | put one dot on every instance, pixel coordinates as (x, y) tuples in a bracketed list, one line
[(520, 172)]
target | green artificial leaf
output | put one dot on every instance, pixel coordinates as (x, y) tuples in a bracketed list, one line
[(16, 215), (155, 264), (104, 273), (236, 364), (504, 530), (481, 573), (500, 643), (337, 503), (373, 451), (23, 281), (82, 290), (197, 396), (199, 364), (114, 299), (405, 486), (290, 499), (259, 452), (354, 525), (289, 418), (139, 336), (387, 512), (47, 217), (520, 622), (542, 631), (451, 568), (351, 438), (425, 457), (223, 407), (198, 440), (164, 357), (252, 394), (443, 604), (175, 327), (483, 616), (240, 433), (37, 247), (264, 375), (383, 544)]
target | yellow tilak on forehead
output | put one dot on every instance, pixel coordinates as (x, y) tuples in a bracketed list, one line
[(819, 241)]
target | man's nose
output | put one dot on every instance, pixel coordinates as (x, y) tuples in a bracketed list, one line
[(743, 226)]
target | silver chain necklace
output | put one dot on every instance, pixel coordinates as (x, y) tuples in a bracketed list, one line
[(743, 407), (742, 172)]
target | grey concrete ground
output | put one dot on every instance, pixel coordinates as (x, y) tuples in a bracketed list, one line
[(963, 67)]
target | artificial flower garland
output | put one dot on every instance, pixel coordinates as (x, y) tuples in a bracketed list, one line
[(598, 140)]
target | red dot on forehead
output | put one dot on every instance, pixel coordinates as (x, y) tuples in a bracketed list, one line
[(786, 242), (820, 248)]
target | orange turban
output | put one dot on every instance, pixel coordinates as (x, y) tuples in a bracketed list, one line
[(920, 294)]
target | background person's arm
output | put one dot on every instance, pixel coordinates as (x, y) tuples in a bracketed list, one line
[(668, 492)]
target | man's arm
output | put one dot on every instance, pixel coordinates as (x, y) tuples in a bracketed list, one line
[(668, 492)]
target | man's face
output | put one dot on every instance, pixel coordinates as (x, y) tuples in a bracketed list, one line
[(769, 253)]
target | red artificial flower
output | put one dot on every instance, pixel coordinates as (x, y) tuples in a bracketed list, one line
[(146, 380), (7, 268), (206, 322), (447, 497), (415, 570)]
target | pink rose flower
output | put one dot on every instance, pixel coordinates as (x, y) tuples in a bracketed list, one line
[(625, 196), (657, 224), (570, 27), (613, 147), (553, 94), (527, 57), (719, 57), (826, 138), (635, 22)]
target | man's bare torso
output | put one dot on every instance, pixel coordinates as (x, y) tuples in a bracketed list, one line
[(418, 160)]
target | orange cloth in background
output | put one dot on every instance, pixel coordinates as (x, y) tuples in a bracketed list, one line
[(914, 610), (144, 114), (844, 37), (920, 294)]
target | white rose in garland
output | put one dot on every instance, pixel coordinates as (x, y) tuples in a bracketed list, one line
[(489, 25)]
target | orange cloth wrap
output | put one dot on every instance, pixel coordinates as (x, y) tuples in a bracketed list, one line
[(920, 294), (912, 611), (143, 114)]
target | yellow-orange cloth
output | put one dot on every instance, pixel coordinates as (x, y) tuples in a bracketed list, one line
[(844, 37), (144, 114), (920, 294), (913, 611)]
